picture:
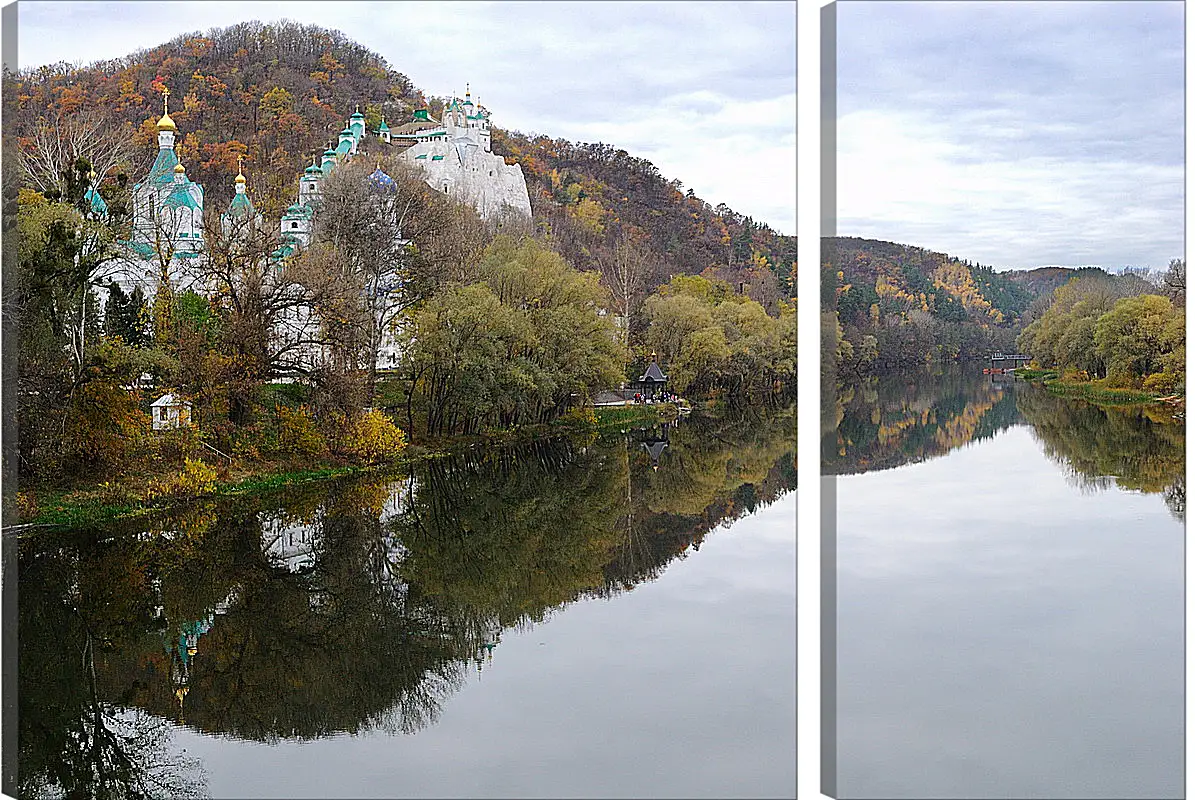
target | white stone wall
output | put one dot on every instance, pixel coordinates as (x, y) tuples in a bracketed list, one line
[(471, 175)]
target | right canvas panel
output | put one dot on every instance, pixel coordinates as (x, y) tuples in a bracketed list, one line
[(1003, 388)]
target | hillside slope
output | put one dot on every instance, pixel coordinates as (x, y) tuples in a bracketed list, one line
[(902, 304), (591, 195), (278, 92)]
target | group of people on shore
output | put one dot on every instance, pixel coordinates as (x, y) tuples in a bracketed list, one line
[(662, 397)]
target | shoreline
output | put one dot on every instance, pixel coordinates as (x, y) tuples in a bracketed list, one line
[(94, 504), (1095, 392)]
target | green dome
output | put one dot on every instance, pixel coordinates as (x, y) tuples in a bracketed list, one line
[(313, 170)]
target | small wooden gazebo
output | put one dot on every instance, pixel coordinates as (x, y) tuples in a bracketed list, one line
[(652, 382)]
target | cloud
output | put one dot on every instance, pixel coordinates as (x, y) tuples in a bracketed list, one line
[(1014, 134), (907, 178), (706, 89)]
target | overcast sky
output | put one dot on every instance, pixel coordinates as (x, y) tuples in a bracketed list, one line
[(706, 91), (1014, 134)]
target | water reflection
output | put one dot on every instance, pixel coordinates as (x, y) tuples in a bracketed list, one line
[(1008, 592), (886, 421), (1137, 449), (359, 605)]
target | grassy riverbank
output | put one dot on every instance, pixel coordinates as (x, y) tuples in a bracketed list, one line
[(137, 494), (612, 418), (1097, 391), (128, 497)]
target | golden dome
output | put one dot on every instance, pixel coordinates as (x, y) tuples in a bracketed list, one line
[(240, 178), (166, 123), (179, 169)]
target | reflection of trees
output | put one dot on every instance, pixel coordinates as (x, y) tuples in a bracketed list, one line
[(350, 605), (73, 741), (1137, 449), (887, 420), (307, 653), (713, 472), (501, 539)]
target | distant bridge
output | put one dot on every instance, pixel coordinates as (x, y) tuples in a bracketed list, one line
[(1007, 362)]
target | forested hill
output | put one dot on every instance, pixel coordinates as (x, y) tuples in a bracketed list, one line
[(1044, 280), (593, 195), (278, 92), (901, 278), (899, 304), (275, 93)]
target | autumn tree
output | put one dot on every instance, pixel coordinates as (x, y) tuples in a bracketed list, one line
[(626, 271), (52, 146), (521, 345), (1136, 335), (714, 340), (1174, 281), (389, 233)]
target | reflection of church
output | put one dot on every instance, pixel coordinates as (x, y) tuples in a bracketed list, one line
[(290, 547), (182, 645), (181, 651)]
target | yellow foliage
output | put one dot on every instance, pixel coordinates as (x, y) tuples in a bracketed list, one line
[(1161, 383), (297, 434), (581, 417), (196, 478), (590, 212), (373, 437), (26, 506), (29, 197)]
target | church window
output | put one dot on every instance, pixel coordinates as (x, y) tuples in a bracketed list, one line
[(294, 225)]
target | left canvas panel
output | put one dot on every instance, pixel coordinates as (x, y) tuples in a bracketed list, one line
[(400, 399)]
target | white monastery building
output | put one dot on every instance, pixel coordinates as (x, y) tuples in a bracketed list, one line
[(167, 239)]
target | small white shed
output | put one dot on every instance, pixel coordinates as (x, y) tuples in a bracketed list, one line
[(170, 411)]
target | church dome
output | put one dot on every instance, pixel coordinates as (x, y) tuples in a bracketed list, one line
[(382, 182), (179, 169), (166, 123)]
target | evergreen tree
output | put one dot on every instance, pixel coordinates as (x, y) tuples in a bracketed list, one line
[(125, 316)]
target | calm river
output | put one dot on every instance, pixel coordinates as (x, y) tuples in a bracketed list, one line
[(1009, 592), (611, 618)]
